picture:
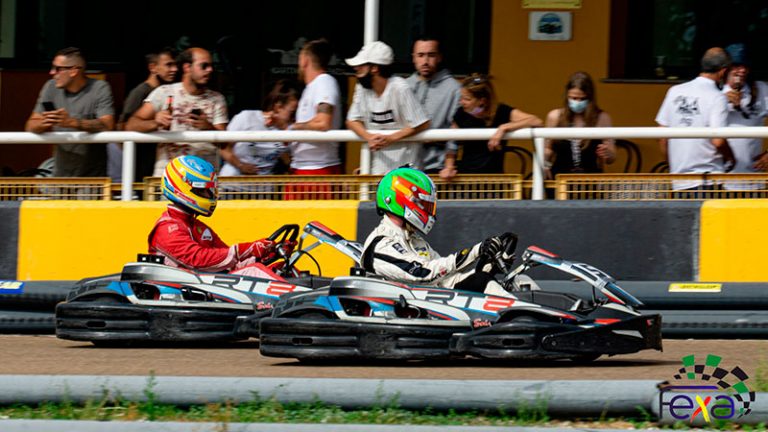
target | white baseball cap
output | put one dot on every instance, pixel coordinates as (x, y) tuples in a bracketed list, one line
[(375, 52)]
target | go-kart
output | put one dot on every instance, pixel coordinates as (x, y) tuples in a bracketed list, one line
[(369, 318), (152, 302)]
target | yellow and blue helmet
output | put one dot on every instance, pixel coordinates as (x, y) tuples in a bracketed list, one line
[(191, 183)]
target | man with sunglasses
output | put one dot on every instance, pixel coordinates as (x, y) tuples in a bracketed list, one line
[(70, 101), (185, 106)]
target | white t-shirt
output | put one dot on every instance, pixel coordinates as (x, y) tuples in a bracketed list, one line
[(262, 154), (697, 103), (210, 102), (316, 155), (395, 109), (745, 150)]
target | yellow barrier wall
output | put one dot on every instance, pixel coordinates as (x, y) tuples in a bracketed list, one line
[(71, 240), (733, 241)]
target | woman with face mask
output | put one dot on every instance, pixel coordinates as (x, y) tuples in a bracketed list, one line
[(579, 110), (479, 109)]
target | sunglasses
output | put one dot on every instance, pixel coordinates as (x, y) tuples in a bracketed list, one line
[(63, 68), (206, 65)]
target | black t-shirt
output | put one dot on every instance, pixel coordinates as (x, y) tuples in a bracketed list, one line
[(476, 158), (571, 156), (146, 153)]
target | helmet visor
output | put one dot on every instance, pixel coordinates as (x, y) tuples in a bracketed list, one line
[(209, 193), (426, 203)]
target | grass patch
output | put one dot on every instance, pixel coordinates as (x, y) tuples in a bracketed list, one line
[(272, 411)]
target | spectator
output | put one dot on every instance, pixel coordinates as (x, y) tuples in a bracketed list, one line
[(697, 103), (319, 110), (384, 102), (747, 106), (438, 93), (480, 110), (72, 102), (261, 158), (185, 106), (579, 109), (162, 70)]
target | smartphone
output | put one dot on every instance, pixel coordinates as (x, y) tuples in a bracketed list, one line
[(49, 106), (196, 111)]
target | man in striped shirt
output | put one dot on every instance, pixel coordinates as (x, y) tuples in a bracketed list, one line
[(385, 102)]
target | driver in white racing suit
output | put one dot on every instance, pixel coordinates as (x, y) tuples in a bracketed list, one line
[(396, 250)]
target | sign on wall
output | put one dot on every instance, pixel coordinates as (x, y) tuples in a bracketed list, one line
[(554, 26)]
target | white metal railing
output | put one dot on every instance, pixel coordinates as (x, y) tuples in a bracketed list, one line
[(538, 135)]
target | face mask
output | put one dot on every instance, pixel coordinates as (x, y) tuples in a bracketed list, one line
[(476, 111), (366, 81), (577, 106)]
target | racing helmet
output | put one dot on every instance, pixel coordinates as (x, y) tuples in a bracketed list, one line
[(191, 183), (410, 195)]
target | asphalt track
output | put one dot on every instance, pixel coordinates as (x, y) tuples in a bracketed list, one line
[(47, 355)]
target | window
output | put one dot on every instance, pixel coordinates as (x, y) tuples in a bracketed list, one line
[(665, 39)]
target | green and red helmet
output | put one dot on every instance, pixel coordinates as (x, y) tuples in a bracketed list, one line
[(410, 195)]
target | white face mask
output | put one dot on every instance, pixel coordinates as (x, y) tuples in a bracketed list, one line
[(577, 106)]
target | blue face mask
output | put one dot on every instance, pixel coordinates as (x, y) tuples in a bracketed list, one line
[(577, 106)]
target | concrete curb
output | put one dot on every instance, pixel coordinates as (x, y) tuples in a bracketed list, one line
[(564, 399), (571, 398)]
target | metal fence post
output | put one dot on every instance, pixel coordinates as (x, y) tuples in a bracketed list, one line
[(538, 169), (129, 161)]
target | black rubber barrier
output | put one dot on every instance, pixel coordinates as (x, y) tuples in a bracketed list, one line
[(628, 240), (37, 295), (27, 322), (9, 233)]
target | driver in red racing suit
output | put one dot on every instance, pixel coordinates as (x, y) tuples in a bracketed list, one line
[(190, 183)]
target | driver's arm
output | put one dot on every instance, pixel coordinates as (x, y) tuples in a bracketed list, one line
[(393, 261), (177, 244)]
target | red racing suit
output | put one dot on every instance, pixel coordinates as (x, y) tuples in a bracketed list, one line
[(186, 242)]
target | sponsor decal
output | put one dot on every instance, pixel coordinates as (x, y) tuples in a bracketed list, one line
[(479, 322), (398, 247), (696, 287), (207, 235), (11, 287), (707, 391), (263, 306)]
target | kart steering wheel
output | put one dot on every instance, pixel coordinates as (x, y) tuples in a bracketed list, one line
[(286, 233), (509, 251)]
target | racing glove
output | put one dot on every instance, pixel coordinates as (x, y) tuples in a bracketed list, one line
[(492, 249), (493, 246), (263, 250)]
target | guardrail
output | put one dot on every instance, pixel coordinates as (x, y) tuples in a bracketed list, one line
[(538, 135)]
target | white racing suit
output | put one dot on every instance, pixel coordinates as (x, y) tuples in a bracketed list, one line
[(401, 255)]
